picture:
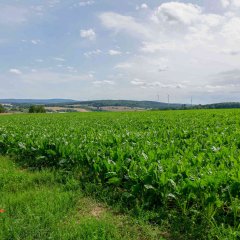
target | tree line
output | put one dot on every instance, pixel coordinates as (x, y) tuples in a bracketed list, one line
[(2, 109), (37, 109)]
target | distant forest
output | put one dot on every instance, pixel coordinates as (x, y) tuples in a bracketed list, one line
[(219, 105)]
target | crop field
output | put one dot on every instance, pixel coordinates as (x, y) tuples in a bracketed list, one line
[(179, 170)]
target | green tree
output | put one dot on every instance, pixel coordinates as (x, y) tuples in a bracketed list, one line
[(2, 109), (37, 109)]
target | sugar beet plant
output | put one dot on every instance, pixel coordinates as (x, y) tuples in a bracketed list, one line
[(183, 166)]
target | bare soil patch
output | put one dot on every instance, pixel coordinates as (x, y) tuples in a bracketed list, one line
[(57, 109), (97, 211), (121, 109), (1, 114)]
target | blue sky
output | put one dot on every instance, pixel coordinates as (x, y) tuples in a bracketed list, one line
[(106, 49)]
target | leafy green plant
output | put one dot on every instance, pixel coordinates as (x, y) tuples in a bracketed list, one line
[(183, 163)]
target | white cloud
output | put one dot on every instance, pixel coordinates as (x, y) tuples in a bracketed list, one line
[(15, 71), (32, 41), (152, 47), (91, 75), (53, 3), (86, 3), (236, 3), (230, 3), (59, 59), (125, 65), (137, 82), (181, 47), (38, 9), (88, 34), (71, 69), (114, 52), (147, 64), (230, 52), (145, 84), (35, 41), (128, 24), (92, 53), (177, 12), (142, 6), (176, 45), (225, 3), (231, 30), (104, 82)]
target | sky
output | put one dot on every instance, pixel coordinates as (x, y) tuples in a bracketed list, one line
[(108, 49)]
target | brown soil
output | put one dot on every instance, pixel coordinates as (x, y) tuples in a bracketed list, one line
[(1, 114), (55, 109), (121, 109), (97, 211)]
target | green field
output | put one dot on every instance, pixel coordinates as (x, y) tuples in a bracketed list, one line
[(37, 205), (177, 170)]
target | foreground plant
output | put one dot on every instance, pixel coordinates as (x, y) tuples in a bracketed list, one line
[(181, 167)]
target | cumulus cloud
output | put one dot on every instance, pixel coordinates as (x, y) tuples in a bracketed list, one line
[(177, 12), (88, 34), (231, 30), (230, 52), (225, 3), (180, 47), (189, 48), (230, 3)]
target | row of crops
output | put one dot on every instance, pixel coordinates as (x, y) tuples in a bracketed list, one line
[(174, 163)]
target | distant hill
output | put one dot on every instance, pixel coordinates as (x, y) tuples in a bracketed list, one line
[(130, 103), (101, 104), (95, 103), (151, 104), (36, 101)]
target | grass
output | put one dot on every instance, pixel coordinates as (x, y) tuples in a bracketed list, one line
[(37, 205)]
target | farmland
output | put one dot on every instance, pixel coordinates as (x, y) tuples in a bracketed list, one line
[(175, 169)]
